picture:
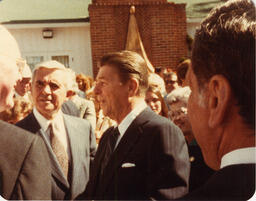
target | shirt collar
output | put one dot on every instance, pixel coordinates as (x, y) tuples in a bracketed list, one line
[(239, 156), (44, 123), (126, 122)]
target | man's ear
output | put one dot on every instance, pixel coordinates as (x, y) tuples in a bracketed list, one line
[(133, 87), (219, 99)]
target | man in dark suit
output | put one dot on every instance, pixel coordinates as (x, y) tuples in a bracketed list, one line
[(24, 162), (70, 140), (146, 155), (221, 107)]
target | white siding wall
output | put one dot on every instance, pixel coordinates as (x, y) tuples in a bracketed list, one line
[(72, 41), (191, 28)]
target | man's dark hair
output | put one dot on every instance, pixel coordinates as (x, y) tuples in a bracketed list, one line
[(182, 69), (129, 65), (225, 44)]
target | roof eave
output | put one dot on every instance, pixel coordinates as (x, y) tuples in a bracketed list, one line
[(48, 21)]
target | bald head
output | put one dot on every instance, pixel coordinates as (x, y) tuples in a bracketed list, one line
[(9, 53), (8, 45)]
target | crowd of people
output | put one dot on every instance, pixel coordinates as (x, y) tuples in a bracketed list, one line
[(186, 134)]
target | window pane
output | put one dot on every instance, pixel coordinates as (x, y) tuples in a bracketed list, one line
[(33, 60), (62, 59)]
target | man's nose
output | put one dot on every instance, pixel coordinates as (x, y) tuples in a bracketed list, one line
[(151, 104), (47, 89), (96, 89)]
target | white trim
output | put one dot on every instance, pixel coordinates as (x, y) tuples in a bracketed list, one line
[(48, 25), (194, 20)]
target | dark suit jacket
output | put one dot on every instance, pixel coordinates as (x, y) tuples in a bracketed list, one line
[(234, 182), (25, 172), (158, 152), (199, 171), (83, 147)]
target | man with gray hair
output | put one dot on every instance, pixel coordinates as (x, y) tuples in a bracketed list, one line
[(70, 140), (24, 162), (77, 106)]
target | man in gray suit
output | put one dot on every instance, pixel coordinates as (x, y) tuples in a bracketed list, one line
[(24, 162), (70, 140), (77, 106)]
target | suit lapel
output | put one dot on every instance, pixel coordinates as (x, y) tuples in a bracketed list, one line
[(73, 137), (56, 169), (96, 167), (125, 146)]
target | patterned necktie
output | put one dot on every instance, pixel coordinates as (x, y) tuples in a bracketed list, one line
[(59, 150)]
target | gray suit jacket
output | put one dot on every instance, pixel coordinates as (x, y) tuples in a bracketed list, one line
[(25, 172), (83, 147), (82, 108)]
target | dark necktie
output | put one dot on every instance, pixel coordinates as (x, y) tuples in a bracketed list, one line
[(111, 143), (59, 151)]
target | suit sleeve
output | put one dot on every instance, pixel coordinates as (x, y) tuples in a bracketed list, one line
[(34, 180), (170, 166)]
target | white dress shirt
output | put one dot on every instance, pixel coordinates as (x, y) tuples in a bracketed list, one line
[(126, 122), (58, 123), (239, 156)]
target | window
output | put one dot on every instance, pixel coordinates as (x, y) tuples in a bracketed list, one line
[(33, 60), (62, 59)]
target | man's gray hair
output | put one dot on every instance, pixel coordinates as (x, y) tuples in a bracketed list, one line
[(52, 64), (179, 94)]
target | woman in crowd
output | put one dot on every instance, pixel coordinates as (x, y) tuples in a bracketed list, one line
[(84, 83), (199, 172), (155, 101)]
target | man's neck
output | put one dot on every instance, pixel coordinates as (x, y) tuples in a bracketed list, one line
[(237, 136), (133, 103)]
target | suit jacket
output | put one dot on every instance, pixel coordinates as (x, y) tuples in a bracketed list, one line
[(25, 172), (82, 146), (199, 171), (84, 109), (150, 161), (70, 108), (234, 182)]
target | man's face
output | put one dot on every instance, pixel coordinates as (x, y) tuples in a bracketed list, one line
[(8, 79), (198, 113), (23, 86), (111, 92), (48, 91), (171, 82)]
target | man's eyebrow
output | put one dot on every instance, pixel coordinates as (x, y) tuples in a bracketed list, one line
[(102, 78)]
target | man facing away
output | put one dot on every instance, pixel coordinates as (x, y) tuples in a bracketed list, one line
[(146, 155), (70, 140), (221, 106), (24, 163), (77, 106)]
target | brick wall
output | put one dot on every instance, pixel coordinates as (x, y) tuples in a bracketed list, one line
[(162, 28), (118, 2)]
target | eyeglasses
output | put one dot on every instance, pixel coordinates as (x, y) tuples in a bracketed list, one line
[(170, 82)]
